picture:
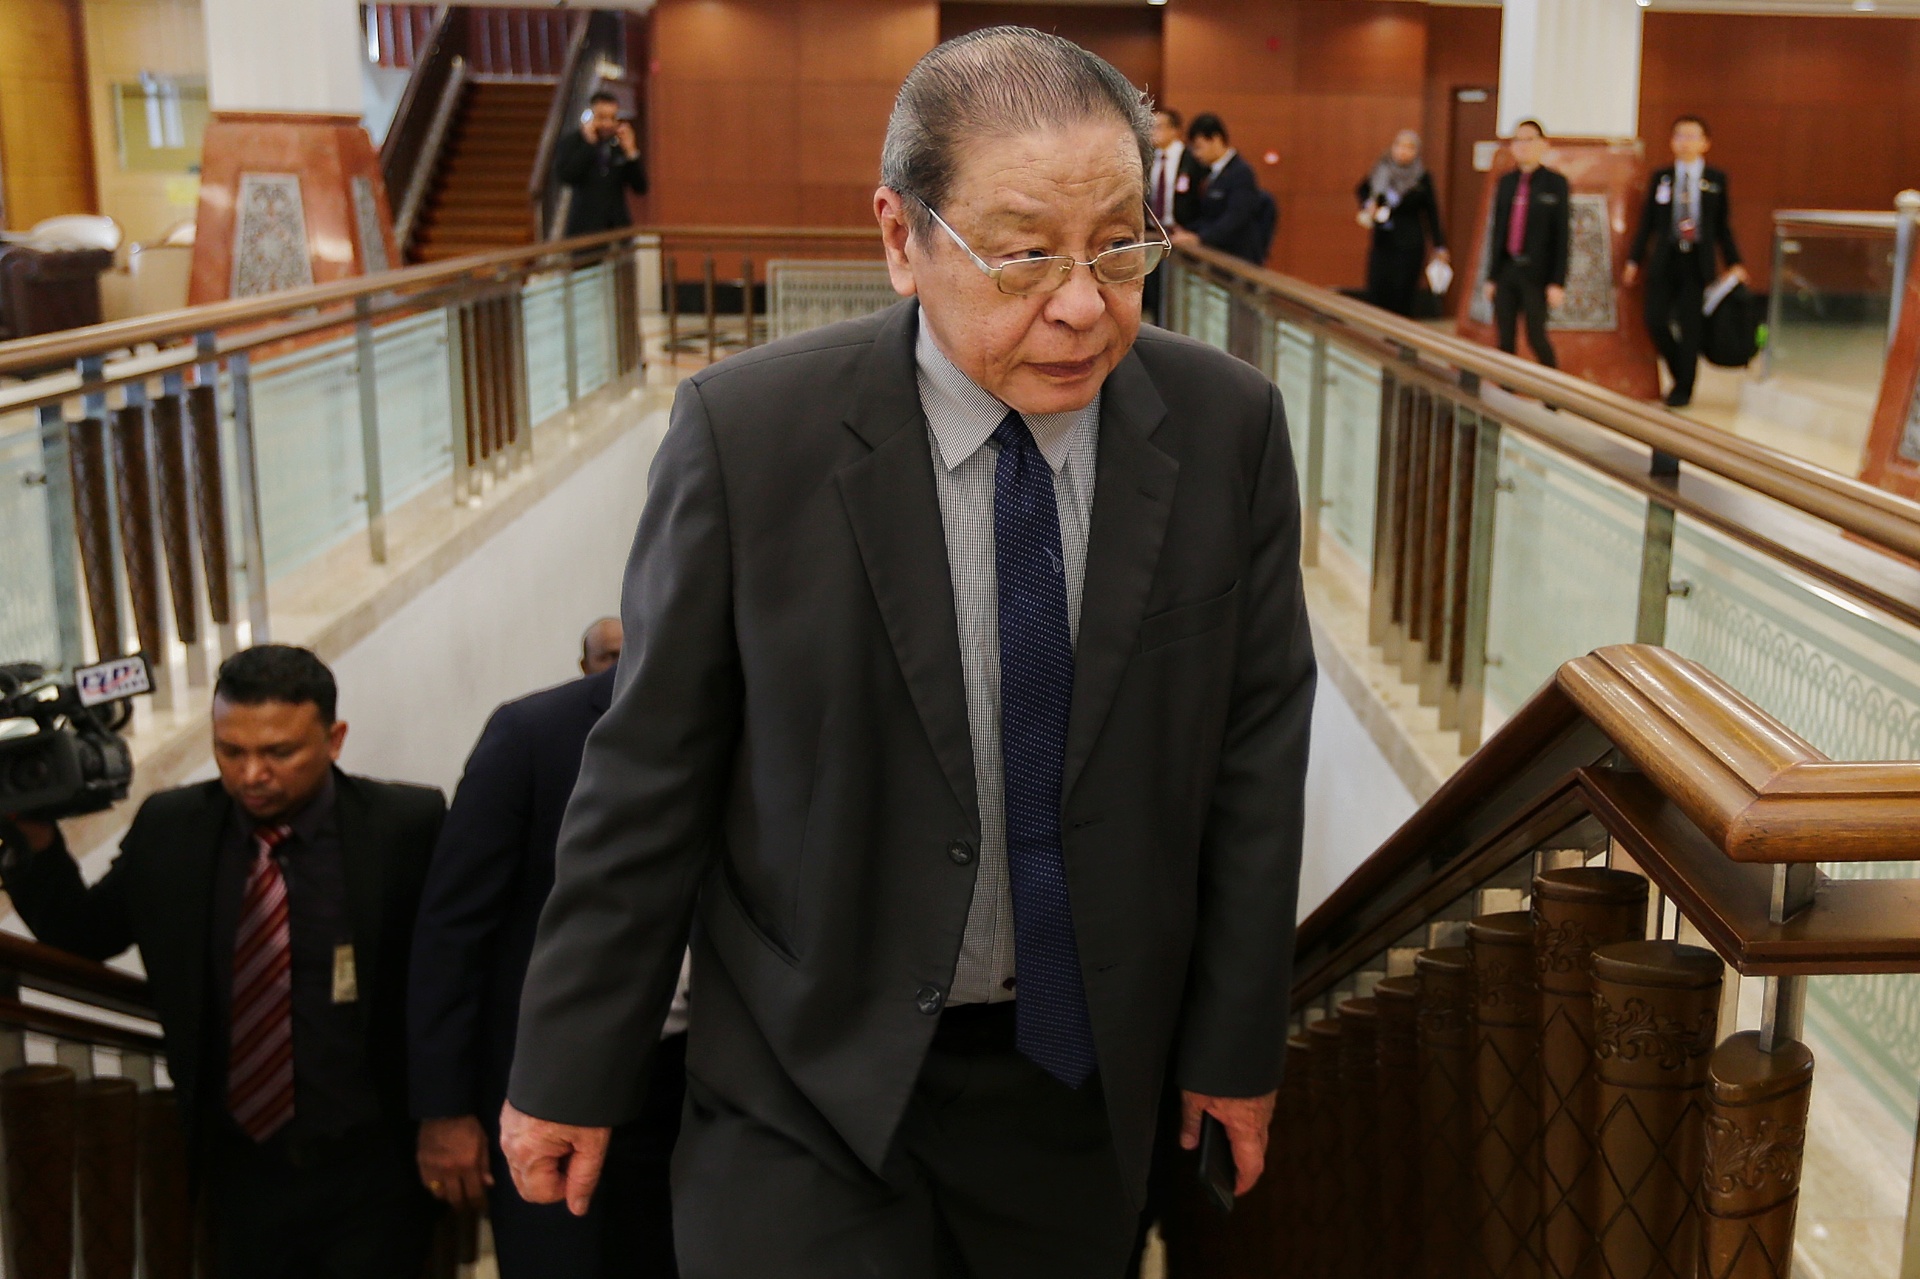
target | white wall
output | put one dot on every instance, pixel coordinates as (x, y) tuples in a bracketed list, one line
[(1354, 798), (506, 621)]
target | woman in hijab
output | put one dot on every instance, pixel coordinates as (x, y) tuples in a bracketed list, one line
[(1397, 205)]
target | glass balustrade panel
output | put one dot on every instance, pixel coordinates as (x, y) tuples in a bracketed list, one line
[(1351, 443), (416, 405), (592, 327), (306, 423), (1835, 286), (29, 628), (543, 303), (1565, 571)]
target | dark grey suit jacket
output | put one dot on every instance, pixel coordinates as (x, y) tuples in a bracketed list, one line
[(788, 758)]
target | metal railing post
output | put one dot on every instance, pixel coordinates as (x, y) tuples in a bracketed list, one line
[(374, 494), (1315, 460), (1906, 214), (459, 401), (62, 536), (1477, 598), (572, 340), (1776, 298), (1656, 560), (706, 285), (253, 542), (210, 495)]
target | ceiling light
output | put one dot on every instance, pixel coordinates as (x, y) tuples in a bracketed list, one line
[(1156, 2), (1863, 6)]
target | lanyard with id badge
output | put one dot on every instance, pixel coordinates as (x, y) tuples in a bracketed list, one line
[(346, 978)]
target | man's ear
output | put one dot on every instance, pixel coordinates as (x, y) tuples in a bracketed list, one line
[(889, 209), (336, 738)]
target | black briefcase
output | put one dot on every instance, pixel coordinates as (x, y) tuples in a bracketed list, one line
[(1731, 336)]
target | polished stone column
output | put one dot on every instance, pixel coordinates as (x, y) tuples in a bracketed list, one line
[(1756, 1139), (1506, 1097), (1446, 1101)]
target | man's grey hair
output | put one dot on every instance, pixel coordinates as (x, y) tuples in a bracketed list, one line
[(995, 83)]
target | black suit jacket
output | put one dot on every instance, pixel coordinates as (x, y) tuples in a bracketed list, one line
[(491, 874), (1228, 217), (1185, 203), (158, 895), (788, 753), (1656, 230), (599, 201), (1549, 203)]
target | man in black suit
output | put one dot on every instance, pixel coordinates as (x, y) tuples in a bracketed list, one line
[(1528, 268), (1231, 214), (1687, 224), (490, 876), (601, 163), (273, 910), (1173, 193), (967, 712)]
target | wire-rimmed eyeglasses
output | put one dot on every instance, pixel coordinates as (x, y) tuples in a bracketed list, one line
[(1024, 277)]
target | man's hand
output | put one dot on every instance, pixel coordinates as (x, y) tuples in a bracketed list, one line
[(1739, 273), (1628, 274), (452, 1154), (1555, 296), (623, 133), (38, 834), (1246, 1120), (1486, 290), (550, 1161)]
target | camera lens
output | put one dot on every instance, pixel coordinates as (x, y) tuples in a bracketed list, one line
[(28, 771)]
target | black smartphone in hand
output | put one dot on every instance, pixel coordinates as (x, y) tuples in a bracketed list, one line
[(1217, 1173)]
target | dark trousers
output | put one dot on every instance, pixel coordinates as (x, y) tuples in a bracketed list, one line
[(998, 1172), (348, 1209), (1514, 292), (628, 1230), (1675, 294)]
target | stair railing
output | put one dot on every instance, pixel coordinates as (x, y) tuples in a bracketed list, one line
[(1517, 1042), (411, 151), (596, 41)]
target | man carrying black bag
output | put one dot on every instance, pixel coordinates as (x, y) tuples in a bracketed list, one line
[(1685, 222)]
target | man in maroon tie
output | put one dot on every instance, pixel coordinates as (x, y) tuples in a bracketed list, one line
[(1527, 260), (273, 910)]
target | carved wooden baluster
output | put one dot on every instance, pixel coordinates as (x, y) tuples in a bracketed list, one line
[(134, 488), (1359, 1133), (176, 513), (1396, 1218), (1656, 1007), (1329, 1246), (166, 1211), (1446, 1090), (106, 1114), (1574, 910), (93, 520), (1756, 1139), (1293, 1223), (210, 504), (1506, 1096), (36, 1118)]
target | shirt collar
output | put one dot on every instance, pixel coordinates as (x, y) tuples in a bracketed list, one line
[(1694, 168), (314, 819), (1222, 162), (962, 414), (1172, 151)]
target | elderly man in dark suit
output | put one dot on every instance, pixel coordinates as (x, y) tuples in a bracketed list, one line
[(490, 877), (273, 910), (1527, 272), (965, 708), (1687, 226)]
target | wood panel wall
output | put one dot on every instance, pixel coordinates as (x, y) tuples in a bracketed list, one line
[(46, 155), (1805, 112), (771, 112), (1128, 38), (125, 38)]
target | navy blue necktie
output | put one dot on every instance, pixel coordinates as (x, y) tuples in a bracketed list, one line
[(1036, 691)]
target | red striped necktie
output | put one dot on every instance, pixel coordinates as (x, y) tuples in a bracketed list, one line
[(260, 1054)]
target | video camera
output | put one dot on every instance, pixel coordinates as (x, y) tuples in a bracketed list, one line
[(61, 752)]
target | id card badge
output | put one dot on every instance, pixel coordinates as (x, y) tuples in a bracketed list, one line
[(1663, 194), (346, 982)]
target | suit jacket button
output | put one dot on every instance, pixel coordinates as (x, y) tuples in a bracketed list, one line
[(960, 851), (930, 1000)]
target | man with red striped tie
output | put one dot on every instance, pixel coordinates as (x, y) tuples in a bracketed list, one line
[(273, 910)]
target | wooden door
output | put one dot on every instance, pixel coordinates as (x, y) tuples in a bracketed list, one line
[(1473, 118)]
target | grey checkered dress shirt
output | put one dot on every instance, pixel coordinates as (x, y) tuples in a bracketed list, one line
[(961, 418)]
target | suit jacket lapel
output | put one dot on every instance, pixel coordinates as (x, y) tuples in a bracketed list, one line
[(1132, 497), (363, 864), (895, 512)]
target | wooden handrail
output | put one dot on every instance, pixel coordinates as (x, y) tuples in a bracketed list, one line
[(57, 972), (1708, 791), (1878, 516), (406, 162)]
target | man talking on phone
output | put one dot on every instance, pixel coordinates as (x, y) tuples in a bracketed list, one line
[(601, 163)]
